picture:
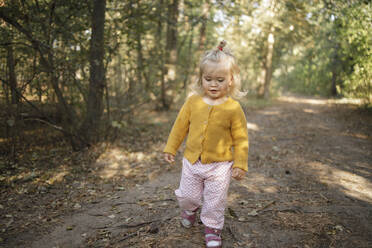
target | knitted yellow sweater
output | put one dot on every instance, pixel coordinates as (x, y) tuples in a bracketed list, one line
[(215, 132)]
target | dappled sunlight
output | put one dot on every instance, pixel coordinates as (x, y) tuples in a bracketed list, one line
[(113, 153), (38, 177), (160, 119), (312, 101), (310, 111), (319, 101), (260, 184), (117, 163), (117, 154), (357, 135), (351, 184), (271, 189), (270, 112), (57, 177), (156, 117), (233, 196), (252, 126), (115, 169), (348, 101)]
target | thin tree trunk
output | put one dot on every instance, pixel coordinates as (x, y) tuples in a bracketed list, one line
[(139, 59), (334, 80), (334, 66), (170, 51), (189, 58), (203, 28), (12, 76), (119, 82), (130, 39), (267, 66), (159, 34), (13, 108), (91, 125)]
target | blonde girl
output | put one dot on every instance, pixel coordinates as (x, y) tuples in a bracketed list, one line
[(216, 146)]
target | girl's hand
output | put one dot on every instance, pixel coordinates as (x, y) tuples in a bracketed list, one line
[(169, 157), (238, 173)]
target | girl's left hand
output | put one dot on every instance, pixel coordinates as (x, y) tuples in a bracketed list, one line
[(238, 173)]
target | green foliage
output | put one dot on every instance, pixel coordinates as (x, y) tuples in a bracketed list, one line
[(339, 51), (319, 46), (356, 29)]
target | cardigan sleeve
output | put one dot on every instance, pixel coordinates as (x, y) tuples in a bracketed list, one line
[(179, 130), (239, 134)]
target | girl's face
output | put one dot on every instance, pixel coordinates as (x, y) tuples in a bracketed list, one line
[(216, 80)]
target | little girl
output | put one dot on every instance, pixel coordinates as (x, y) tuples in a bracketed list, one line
[(217, 143)]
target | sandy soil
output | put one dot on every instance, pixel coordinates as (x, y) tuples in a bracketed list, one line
[(309, 185)]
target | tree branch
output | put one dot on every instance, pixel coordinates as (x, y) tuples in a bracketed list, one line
[(35, 43), (48, 121)]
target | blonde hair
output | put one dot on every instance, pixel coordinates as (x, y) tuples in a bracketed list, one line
[(220, 54)]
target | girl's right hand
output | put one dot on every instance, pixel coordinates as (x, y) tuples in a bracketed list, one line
[(169, 157)]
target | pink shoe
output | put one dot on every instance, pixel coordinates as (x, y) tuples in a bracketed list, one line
[(188, 218), (213, 238)]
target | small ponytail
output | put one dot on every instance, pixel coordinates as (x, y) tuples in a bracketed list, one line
[(221, 45)]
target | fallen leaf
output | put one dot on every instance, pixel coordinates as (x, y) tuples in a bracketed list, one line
[(253, 213), (232, 213), (69, 228), (77, 206), (339, 228)]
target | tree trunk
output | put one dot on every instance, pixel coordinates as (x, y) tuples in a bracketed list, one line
[(12, 76), (189, 58), (159, 36), (91, 125), (333, 86), (203, 28), (334, 68), (119, 82), (13, 131), (171, 47), (139, 59), (268, 67), (170, 51)]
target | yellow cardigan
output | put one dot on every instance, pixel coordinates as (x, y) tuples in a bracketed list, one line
[(215, 132)]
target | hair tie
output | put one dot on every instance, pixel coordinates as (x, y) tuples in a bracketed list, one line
[(221, 45)]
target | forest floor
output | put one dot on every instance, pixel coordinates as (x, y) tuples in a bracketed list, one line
[(309, 185)]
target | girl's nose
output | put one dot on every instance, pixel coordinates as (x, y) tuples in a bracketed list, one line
[(213, 83)]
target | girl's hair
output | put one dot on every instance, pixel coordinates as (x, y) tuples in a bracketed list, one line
[(220, 54)]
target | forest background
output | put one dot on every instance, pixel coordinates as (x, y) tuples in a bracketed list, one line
[(82, 67), (89, 89)]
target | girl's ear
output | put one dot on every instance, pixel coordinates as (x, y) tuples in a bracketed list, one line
[(232, 80)]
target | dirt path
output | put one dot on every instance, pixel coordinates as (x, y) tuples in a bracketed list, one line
[(309, 185)]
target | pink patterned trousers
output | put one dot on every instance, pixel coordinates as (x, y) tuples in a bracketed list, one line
[(206, 185)]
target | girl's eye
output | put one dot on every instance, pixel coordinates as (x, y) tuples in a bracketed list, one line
[(221, 80), (208, 79)]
